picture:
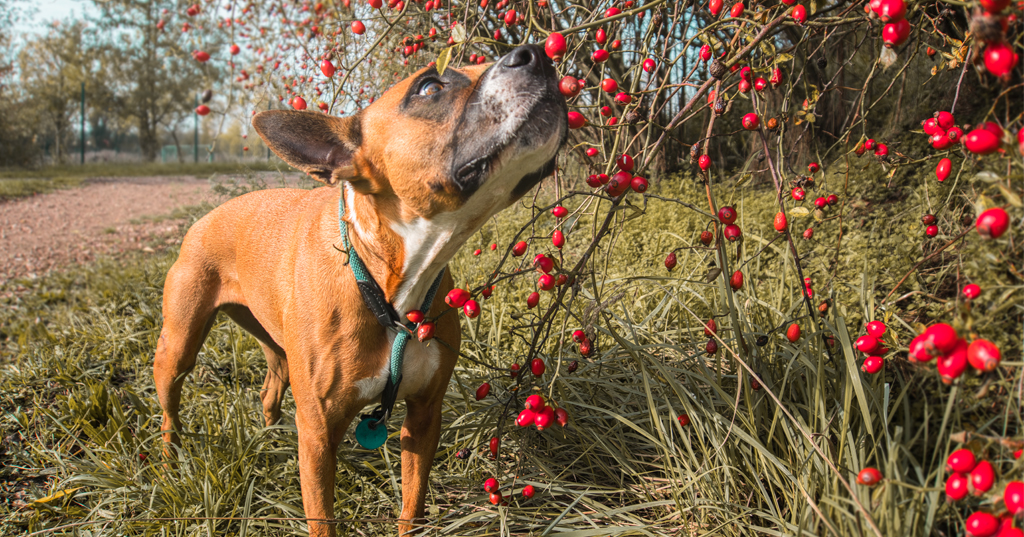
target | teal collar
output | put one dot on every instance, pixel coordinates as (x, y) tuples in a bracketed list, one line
[(371, 433)]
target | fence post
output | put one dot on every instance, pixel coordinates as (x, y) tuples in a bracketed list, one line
[(83, 122), (195, 133)]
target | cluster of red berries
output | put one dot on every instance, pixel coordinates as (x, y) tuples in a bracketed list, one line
[(622, 180), (952, 353), (492, 487), (942, 130), (547, 281), (930, 229), (538, 413), (970, 476), (757, 84), (710, 329), (880, 150), (410, 45), (894, 14), (732, 232), (456, 298), (871, 344), (586, 347)]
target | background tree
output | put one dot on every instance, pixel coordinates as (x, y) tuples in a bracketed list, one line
[(55, 66), (152, 78), (17, 130)]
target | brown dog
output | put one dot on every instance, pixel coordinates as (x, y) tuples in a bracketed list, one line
[(421, 170)]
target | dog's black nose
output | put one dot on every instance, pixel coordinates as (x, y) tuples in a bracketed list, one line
[(529, 57)]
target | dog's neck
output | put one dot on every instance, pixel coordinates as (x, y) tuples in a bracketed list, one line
[(404, 257)]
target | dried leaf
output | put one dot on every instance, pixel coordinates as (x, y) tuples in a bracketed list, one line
[(55, 496), (988, 177), (887, 58), (459, 33), (799, 212), (1011, 197)]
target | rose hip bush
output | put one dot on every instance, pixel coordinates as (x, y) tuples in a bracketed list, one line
[(773, 287)]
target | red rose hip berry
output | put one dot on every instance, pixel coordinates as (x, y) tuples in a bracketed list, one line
[(983, 355), (780, 223), (793, 333), (736, 280), (992, 223), (554, 47), (727, 215), (956, 486), (670, 261), (872, 364), (961, 461), (869, 477), (1013, 497), (457, 298), (981, 525), (750, 121), (732, 232), (982, 478), (425, 331)]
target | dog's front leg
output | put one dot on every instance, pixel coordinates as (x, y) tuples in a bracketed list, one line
[(420, 434), (320, 433)]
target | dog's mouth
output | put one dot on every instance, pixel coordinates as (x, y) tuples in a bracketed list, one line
[(475, 170), (527, 147)]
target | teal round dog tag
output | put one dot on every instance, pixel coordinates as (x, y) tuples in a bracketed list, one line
[(371, 438)]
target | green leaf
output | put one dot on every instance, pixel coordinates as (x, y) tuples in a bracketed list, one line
[(443, 58)]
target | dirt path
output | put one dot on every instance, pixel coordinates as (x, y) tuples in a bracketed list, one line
[(108, 216)]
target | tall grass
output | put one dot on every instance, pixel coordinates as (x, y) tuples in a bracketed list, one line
[(80, 413)]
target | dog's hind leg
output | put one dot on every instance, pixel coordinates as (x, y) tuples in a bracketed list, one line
[(189, 311), (275, 384)]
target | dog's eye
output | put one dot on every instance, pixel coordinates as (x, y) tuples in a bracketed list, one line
[(430, 87)]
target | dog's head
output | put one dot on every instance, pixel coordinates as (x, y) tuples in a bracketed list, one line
[(480, 136)]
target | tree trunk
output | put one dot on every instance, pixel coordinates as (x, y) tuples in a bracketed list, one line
[(177, 145), (148, 143)]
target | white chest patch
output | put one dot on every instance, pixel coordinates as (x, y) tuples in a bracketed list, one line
[(418, 367)]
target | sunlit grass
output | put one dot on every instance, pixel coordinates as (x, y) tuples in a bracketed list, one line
[(80, 413)]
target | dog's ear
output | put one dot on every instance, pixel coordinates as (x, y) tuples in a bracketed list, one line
[(322, 146)]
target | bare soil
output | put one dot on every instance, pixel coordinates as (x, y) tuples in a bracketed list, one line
[(104, 216)]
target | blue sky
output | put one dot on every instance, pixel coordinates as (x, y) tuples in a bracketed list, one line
[(41, 12)]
